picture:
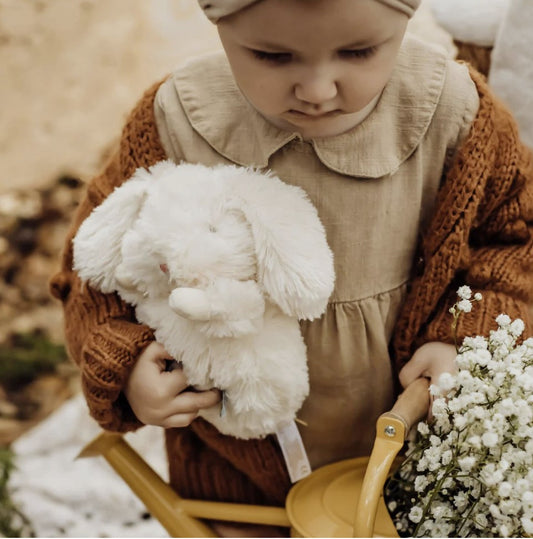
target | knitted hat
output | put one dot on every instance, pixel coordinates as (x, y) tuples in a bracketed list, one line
[(216, 9)]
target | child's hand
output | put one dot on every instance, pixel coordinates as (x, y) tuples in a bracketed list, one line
[(156, 395), (429, 361)]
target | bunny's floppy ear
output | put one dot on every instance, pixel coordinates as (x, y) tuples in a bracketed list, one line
[(97, 244), (295, 263)]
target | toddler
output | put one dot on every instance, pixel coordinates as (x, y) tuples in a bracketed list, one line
[(419, 178)]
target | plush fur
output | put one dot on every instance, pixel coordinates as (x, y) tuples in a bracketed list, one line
[(222, 263)]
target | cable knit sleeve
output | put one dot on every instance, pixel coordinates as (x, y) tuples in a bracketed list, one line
[(101, 332), (481, 235)]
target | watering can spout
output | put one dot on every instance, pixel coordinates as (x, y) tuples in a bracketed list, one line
[(100, 445), (160, 499), (179, 516)]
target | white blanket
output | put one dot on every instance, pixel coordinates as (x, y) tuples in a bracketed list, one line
[(471, 21), (511, 72), (64, 497)]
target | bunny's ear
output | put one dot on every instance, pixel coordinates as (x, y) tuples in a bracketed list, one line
[(295, 263), (97, 244)]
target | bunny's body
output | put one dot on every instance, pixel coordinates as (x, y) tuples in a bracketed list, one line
[(221, 263), (264, 372)]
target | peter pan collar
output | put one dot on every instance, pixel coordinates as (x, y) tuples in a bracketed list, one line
[(220, 114)]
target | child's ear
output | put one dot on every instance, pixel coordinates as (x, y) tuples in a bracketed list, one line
[(295, 263), (97, 244)]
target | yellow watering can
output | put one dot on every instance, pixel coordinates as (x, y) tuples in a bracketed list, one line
[(338, 500)]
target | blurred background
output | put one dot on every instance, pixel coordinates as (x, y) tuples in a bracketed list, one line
[(70, 70)]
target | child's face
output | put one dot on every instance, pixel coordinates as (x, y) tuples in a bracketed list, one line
[(310, 65)]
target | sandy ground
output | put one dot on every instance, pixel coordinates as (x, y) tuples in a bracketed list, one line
[(70, 70)]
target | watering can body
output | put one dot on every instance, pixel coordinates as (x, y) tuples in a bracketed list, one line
[(338, 500), (323, 506)]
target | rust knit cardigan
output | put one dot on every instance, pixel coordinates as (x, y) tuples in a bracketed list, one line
[(480, 235)]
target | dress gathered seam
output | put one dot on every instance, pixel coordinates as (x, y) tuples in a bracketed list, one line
[(372, 296)]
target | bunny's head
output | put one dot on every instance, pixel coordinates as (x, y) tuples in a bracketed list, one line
[(186, 225)]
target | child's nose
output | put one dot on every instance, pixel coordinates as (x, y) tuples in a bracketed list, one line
[(316, 88)]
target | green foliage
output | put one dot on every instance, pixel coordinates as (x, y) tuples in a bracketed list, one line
[(12, 522), (26, 356)]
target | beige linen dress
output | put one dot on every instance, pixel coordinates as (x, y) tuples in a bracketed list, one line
[(374, 188)]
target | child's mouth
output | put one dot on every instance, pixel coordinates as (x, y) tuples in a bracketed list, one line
[(304, 115)]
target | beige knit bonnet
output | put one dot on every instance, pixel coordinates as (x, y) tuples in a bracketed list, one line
[(216, 9)]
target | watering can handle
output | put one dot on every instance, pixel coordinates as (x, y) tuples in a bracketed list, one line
[(391, 430), (412, 405)]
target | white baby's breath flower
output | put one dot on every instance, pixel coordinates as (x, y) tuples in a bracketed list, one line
[(529, 445), (501, 338), (423, 428), (504, 530), (464, 379), (517, 327), (441, 510), (446, 457), (503, 320), (483, 357), (504, 464), (422, 464), (507, 407), (467, 463), (464, 292), (478, 296), (464, 306), (474, 441), (473, 473), (510, 507), (421, 482), (446, 381), (481, 520), (495, 511), (489, 439), (435, 390), (475, 343), (492, 479), (461, 501), (527, 497), (435, 441), (460, 421), (439, 407), (415, 515), (505, 489), (521, 486), (527, 524)]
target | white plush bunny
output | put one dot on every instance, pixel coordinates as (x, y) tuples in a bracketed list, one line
[(222, 263)]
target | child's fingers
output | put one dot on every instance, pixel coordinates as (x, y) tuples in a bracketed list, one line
[(178, 420), (413, 369), (187, 405), (429, 361), (191, 401), (172, 384)]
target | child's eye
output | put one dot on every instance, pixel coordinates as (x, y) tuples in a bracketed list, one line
[(273, 57), (358, 53)]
